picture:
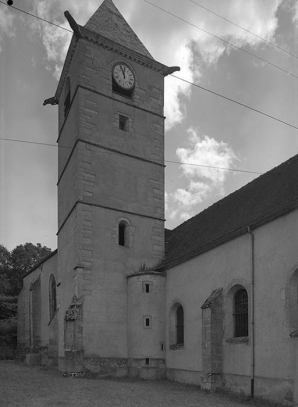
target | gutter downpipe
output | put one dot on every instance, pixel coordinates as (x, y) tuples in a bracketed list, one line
[(252, 311)]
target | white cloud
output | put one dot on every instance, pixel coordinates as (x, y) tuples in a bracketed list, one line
[(56, 40), (174, 110), (186, 215), (166, 200), (170, 41), (254, 15), (6, 24), (203, 181), (295, 17), (207, 152), (172, 213), (194, 194)]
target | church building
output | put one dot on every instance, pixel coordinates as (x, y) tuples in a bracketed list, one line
[(213, 302)]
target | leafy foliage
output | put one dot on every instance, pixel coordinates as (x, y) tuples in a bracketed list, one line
[(8, 307), (8, 327), (15, 264)]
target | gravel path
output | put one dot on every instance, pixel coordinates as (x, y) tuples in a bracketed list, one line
[(25, 386)]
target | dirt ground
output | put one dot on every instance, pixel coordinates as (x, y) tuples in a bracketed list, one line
[(25, 386)]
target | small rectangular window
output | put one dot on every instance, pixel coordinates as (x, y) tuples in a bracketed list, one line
[(123, 123), (147, 361), (147, 322), (147, 286)]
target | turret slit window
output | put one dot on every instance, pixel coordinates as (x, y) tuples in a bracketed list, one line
[(52, 296), (147, 321), (67, 97), (180, 326), (241, 313)]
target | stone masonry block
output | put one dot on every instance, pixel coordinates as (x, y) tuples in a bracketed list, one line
[(90, 71), (90, 111), (157, 238)]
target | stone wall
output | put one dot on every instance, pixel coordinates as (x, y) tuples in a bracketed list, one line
[(36, 331), (212, 341)]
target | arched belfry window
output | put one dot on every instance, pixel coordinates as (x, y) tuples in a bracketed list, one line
[(123, 233), (240, 313), (179, 326), (67, 97), (52, 296)]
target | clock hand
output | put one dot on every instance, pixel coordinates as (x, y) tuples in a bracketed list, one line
[(123, 71)]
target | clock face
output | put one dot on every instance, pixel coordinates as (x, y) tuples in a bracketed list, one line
[(123, 76)]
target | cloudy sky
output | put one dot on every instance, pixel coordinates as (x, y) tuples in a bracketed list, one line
[(201, 128)]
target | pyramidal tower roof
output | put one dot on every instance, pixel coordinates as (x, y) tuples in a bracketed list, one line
[(109, 22)]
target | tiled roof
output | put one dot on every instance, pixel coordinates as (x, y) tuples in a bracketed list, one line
[(109, 22), (266, 198)]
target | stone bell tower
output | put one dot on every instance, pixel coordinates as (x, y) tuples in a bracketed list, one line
[(110, 184)]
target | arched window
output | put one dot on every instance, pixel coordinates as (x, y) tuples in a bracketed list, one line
[(123, 233), (291, 305), (179, 326), (176, 333), (67, 97), (52, 296), (240, 313)]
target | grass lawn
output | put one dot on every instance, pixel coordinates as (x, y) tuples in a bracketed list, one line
[(25, 386)]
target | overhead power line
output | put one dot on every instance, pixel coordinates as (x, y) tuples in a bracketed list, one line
[(110, 152), (236, 102), (217, 168), (179, 18), (244, 29), (35, 16), (181, 79), (223, 40)]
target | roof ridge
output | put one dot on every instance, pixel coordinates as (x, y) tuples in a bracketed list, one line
[(268, 197), (248, 185)]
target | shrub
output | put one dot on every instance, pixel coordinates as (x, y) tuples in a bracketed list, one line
[(8, 306), (8, 327), (8, 338)]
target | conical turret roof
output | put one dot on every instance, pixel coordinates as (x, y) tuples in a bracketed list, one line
[(109, 22)]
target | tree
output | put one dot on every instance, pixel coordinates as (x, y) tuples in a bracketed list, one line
[(15, 264), (4, 270)]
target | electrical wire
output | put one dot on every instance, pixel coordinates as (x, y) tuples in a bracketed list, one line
[(35, 16), (244, 29), (184, 80), (223, 40), (179, 18), (191, 83), (236, 102), (217, 168), (110, 152)]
